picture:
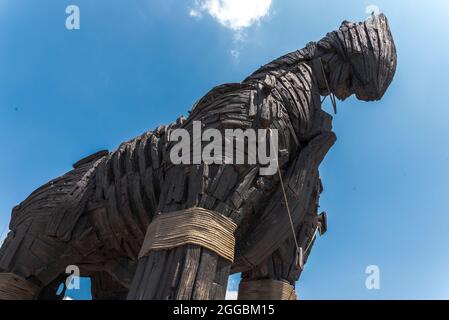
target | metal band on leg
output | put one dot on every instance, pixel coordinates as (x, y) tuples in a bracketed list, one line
[(13, 287), (198, 226), (266, 289)]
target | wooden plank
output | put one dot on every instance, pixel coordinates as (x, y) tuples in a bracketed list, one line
[(206, 275)]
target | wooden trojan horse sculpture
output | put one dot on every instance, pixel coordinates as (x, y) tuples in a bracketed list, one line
[(144, 228)]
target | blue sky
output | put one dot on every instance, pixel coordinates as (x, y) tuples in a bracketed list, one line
[(136, 64)]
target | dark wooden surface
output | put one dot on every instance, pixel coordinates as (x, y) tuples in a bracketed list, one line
[(96, 215)]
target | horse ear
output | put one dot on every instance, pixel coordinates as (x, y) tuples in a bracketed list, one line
[(346, 24)]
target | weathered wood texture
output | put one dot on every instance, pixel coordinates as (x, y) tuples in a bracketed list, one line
[(96, 215)]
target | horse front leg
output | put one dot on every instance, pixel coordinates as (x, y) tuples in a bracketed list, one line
[(188, 250), (276, 276), (188, 272)]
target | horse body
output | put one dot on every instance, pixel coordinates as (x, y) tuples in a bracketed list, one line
[(96, 216)]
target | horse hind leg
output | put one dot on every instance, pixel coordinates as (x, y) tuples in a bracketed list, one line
[(31, 261), (105, 287), (49, 231)]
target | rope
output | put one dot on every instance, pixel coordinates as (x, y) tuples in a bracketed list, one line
[(266, 289), (299, 253), (197, 226), (311, 241), (299, 261), (332, 97), (299, 258)]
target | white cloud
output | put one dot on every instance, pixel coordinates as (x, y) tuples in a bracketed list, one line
[(231, 295), (235, 54), (195, 13), (233, 14)]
